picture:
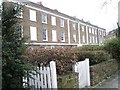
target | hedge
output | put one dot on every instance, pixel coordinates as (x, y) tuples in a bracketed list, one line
[(94, 56), (91, 48), (64, 58)]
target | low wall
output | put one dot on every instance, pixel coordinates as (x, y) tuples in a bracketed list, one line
[(68, 81), (102, 70)]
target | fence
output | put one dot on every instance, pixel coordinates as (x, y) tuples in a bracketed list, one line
[(43, 77), (82, 68)]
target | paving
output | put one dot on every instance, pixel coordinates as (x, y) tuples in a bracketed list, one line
[(112, 82)]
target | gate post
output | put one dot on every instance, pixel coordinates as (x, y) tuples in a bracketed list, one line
[(88, 71), (53, 74)]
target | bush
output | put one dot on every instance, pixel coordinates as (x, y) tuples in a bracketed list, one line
[(91, 48), (113, 47), (94, 56), (64, 58)]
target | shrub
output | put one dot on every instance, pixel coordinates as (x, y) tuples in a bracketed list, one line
[(113, 47), (64, 58), (91, 48), (94, 56)]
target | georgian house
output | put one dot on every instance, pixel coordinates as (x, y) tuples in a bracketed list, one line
[(50, 28)]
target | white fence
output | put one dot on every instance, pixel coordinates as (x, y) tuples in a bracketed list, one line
[(82, 68), (43, 77)]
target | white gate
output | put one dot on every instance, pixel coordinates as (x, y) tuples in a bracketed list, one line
[(43, 77), (82, 68)]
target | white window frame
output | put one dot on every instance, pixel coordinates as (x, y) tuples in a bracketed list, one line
[(32, 14), (90, 39), (63, 36), (74, 26), (96, 31), (44, 18), (83, 28), (74, 38), (83, 39), (46, 34), (100, 32), (62, 22), (33, 33), (53, 20), (104, 33), (96, 40), (90, 30), (54, 35), (93, 30)]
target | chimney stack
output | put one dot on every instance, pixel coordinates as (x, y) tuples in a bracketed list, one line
[(40, 3)]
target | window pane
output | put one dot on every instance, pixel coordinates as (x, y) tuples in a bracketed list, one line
[(74, 27), (33, 33), (53, 20), (74, 37), (83, 37), (44, 35), (44, 18), (61, 22), (32, 15), (63, 37), (82, 27), (54, 35)]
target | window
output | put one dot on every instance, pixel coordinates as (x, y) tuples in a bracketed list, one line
[(100, 32), (62, 22), (82, 27), (53, 19), (74, 37), (96, 40), (44, 18), (83, 38), (95, 31), (33, 33), (32, 15), (44, 35), (20, 29), (21, 14), (90, 39), (74, 26), (62, 37), (92, 31), (104, 34), (54, 35)]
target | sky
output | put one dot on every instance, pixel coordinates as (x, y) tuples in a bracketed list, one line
[(94, 11)]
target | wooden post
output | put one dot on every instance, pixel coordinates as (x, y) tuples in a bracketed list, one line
[(53, 74)]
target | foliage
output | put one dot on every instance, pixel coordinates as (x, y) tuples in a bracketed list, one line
[(113, 47), (64, 57), (14, 62), (95, 53), (91, 48), (94, 56)]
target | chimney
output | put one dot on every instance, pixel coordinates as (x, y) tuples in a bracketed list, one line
[(40, 3)]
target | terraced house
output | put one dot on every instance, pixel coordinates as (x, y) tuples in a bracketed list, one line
[(51, 28)]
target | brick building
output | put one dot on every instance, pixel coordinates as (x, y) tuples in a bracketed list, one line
[(46, 27)]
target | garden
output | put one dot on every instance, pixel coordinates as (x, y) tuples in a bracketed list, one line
[(103, 60)]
